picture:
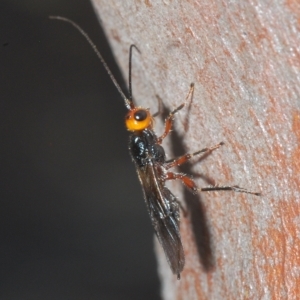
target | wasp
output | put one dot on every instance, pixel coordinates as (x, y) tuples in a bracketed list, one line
[(153, 169)]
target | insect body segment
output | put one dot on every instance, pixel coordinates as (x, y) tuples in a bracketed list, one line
[(153, 168), (163, 208), (138, 119), (150, 160)]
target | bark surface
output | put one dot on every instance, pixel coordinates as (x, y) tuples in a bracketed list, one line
[(244, 58)]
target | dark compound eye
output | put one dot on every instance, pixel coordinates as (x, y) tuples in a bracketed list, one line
[(140, 115)]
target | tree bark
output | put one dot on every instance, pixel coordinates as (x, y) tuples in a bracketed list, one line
[(244, 59)]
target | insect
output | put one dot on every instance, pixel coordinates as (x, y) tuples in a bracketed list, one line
[(153, 170)]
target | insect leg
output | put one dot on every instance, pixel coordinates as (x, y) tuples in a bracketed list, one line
[(182, 159), (234, 188), (170, 118), (186, 180), (189, 183), (169, 123)]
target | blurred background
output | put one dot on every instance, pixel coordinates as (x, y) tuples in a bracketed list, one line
[(73, 222)]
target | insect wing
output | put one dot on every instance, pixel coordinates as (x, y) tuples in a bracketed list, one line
[(164, 213)]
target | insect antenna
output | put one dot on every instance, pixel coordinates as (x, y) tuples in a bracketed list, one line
[(128, 101), (130, 67)]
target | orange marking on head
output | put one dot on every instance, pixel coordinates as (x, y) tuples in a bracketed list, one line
[(138, 119)]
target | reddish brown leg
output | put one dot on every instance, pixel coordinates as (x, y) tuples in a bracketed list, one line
[(234, 188), (187, 181), (169, 123), (182, 159), (170, 118)]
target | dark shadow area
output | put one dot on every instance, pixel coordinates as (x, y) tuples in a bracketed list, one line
[(195, 208), (73, 222)]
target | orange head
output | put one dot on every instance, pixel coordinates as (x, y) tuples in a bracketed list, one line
[(138, 119)]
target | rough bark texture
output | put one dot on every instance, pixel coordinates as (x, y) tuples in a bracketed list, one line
[(244, 59)]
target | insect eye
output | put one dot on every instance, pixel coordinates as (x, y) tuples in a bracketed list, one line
[(140, 115), (138, 119)]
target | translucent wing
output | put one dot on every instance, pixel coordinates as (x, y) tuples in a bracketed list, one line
[(164, 213)]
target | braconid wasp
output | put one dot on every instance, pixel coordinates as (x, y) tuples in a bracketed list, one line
[(154, 170)]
